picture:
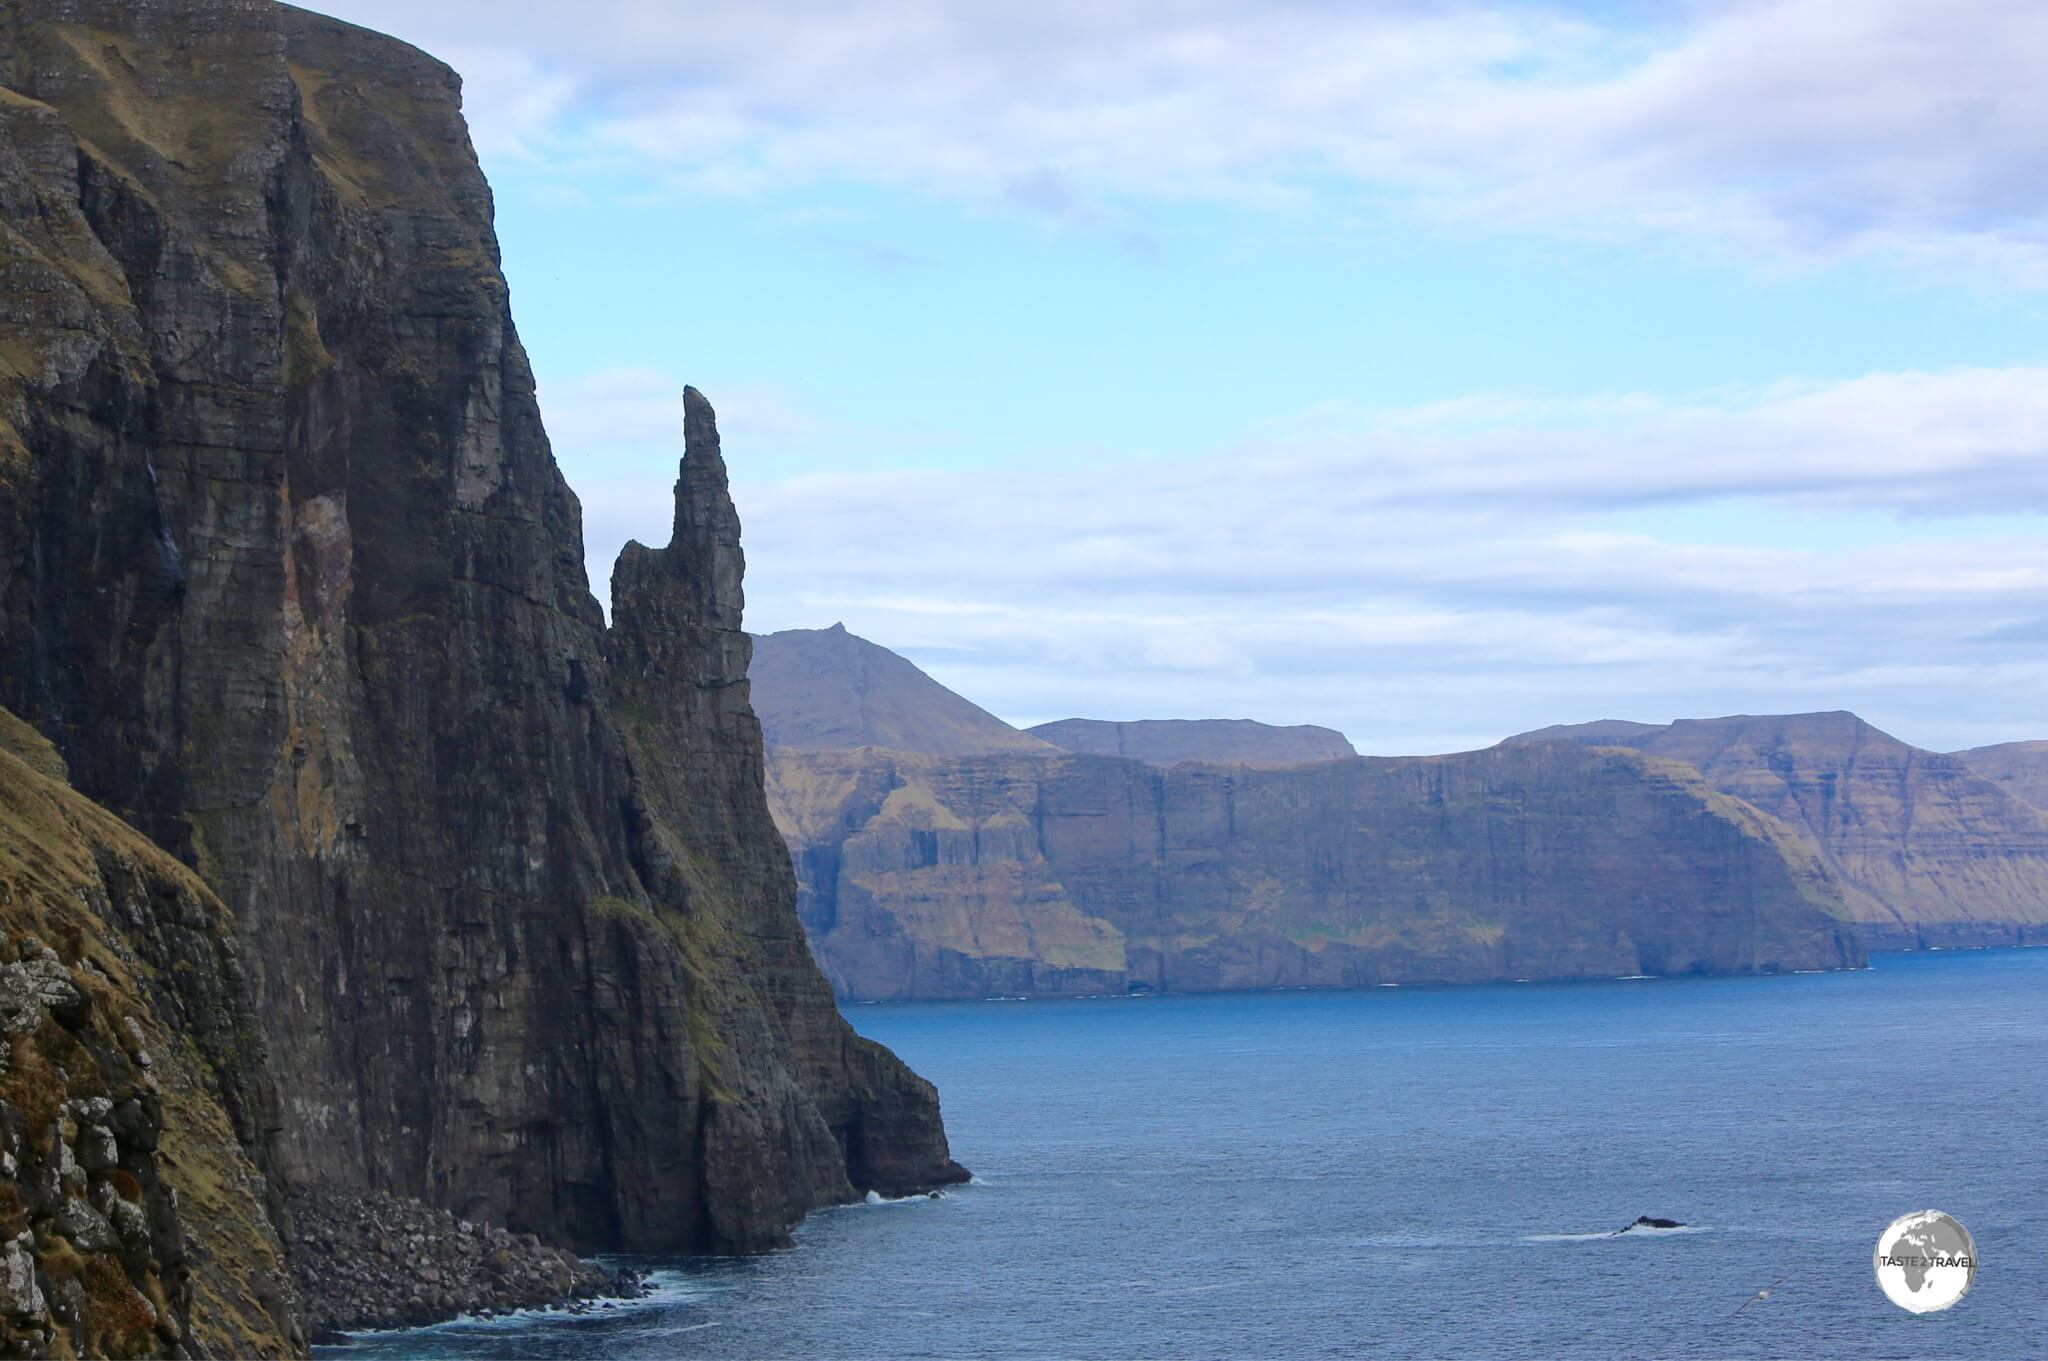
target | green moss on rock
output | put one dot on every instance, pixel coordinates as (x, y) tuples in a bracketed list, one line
[(150, 1225)]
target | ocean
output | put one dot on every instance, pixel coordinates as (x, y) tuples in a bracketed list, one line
[(1414, 1172)]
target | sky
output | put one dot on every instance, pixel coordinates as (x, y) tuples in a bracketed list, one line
[(1428, 371)]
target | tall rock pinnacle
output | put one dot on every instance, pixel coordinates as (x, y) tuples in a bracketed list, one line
[(844, 1113), (707, 527), (289, 575), (677, 611)]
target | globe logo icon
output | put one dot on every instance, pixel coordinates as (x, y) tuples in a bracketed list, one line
[(1925, 1261)]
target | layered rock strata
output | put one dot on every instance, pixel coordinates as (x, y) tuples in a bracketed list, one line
[(133, 1219), (932, 876), (1929, 851), (2019, 768), (290, 577)]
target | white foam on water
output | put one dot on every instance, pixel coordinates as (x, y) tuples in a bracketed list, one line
[(1681, 1230), (877, 1198), (664, 1289), (1566, 1237)]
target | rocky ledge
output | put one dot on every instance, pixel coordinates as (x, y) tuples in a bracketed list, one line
[(134, 1220), (382, 1261)]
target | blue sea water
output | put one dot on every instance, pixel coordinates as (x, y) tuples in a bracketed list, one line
[(1415, 1172)]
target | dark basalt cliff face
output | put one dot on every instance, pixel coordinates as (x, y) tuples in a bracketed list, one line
[(967, 876), (293, 582), (1929, 851), (794, 1109), (133, 1221), (1217, 741)]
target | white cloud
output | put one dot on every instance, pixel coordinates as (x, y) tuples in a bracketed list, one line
[(628, 412), (1431, 576), (1799, 125), (511, 101), (1434, 576)]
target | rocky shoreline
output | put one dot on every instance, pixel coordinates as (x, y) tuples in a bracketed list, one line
[(372, 1260)]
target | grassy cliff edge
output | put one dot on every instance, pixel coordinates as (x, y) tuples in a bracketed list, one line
[(135, 1218)]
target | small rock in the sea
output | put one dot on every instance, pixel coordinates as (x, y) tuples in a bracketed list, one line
[(1652, 1222)]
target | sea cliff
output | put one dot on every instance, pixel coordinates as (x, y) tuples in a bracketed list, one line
[(289, 577), (1930, 851), (933, 876)]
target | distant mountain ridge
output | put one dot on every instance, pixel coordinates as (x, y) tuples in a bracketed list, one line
[(1006, 874), (1930, 851), (1219, 741), (1600, 732), (955, 856), (941, 853), (827, 689), (2020, 768)]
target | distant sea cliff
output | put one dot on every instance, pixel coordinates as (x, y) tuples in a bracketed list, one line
[(976, 867), (1930, 849)]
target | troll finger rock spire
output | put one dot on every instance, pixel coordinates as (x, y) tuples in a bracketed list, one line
[(677, 611), (520, 936)]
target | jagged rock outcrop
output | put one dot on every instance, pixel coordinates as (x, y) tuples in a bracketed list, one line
[(290, 577), (133, 1220), (968, 876), (1217, 741), (828, 689), (793, 1109), (1929, 852)]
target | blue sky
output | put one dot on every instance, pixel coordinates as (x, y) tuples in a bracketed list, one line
[(1428, 371)]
